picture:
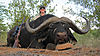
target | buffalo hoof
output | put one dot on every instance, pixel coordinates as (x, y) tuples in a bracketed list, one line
[(51, 46)]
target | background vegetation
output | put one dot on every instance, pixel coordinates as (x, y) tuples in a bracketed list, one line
[(91, 39), (18, 9)]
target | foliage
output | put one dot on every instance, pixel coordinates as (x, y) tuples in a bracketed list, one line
[(93, 13), (3, 27), (3, 12)]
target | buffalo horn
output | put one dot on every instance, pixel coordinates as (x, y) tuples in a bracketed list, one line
[(48, 21), (75, 28)]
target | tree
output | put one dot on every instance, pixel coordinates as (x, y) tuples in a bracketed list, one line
[(3, 13), (93, 13), (3, 27)]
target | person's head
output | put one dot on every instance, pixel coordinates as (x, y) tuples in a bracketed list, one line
[(42, 10)]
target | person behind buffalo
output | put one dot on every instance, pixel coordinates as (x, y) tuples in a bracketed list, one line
[(42, 11)]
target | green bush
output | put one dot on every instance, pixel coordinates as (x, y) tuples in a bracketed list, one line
[(3, 37), (91, 39)]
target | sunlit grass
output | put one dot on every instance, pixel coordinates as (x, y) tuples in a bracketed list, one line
[(91, 39)]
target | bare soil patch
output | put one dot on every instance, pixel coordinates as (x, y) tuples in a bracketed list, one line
[(75, 51)]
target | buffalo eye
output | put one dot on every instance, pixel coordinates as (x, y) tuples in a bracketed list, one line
[(63, 25)]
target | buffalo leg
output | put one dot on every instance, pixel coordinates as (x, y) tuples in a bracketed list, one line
[(51, 46)]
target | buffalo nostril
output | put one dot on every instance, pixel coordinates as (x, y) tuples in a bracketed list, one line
[(58, 35), (65, 35)]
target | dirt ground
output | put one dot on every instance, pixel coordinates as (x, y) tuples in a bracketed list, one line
[(74, 51)]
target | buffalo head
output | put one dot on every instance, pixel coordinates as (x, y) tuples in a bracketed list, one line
[(58, 32)]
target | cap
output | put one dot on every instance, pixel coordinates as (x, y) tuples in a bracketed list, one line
[(42, 7)]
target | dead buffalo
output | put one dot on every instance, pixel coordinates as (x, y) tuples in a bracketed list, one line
[(49, 29)]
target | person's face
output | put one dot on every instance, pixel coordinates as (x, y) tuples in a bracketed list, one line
[(42, 11)]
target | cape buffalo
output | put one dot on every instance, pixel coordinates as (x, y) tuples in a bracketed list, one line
[(49, 29)]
